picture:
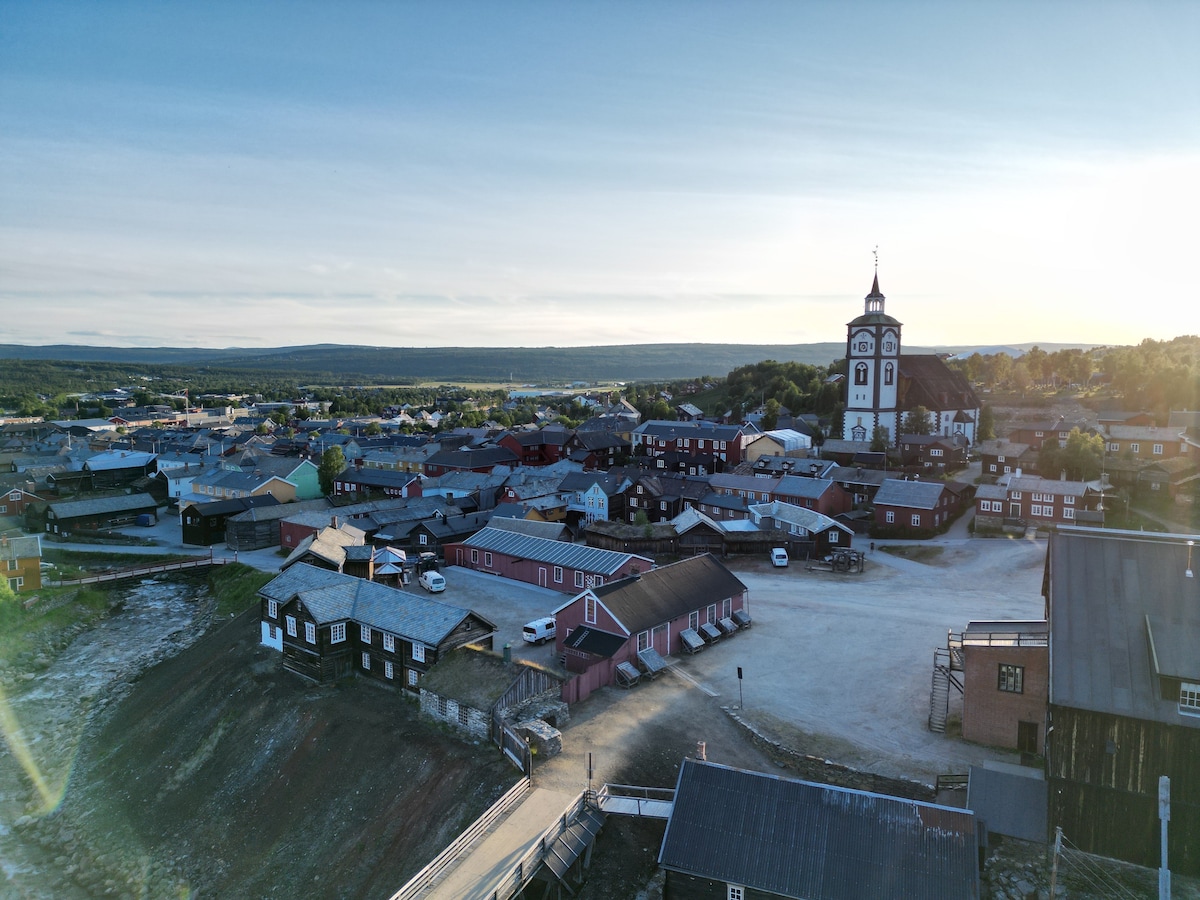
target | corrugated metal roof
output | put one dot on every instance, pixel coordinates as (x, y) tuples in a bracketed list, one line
[(803, 486), (123, 503), (816, 842), (1103, 584), (559, 553)]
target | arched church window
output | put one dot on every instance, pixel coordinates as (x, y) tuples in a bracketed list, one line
[(860, 373), (889, 372)]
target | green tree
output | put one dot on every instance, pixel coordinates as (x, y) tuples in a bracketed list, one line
[(1083, 455), (879, 439), (374, 429), (1050, 458), (917, 421), (333, 461), (987, 425), (770, 415)]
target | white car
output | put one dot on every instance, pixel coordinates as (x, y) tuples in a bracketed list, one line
[(432, 581), (779, 557), (539, 630)]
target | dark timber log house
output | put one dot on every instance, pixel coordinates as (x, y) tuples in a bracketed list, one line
[(331, 626)]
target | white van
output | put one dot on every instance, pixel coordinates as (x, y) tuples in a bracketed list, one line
[(779, 558), (539, 630), (432, 581)]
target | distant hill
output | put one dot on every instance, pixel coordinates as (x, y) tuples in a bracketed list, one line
[(358, 364)]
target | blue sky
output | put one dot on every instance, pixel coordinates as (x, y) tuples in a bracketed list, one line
[(558, 173)]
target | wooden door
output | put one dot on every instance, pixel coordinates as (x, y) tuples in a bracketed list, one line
[(1027, 737)]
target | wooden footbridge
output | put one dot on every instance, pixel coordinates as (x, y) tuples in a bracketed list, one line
[(530, 834), (200, 562)]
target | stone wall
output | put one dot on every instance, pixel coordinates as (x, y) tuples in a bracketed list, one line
[(466, 719)]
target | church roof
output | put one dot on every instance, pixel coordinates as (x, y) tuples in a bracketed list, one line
[(927, 381)]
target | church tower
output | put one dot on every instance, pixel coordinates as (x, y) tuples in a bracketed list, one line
[(872, 371)]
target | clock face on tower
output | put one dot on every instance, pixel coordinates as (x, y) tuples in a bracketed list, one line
[(863, 344)]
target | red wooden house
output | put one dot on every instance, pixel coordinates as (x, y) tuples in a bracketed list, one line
[(542, 447), (914, 505), (646, 611), (561, 565)]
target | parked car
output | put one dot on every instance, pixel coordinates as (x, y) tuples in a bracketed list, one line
[(432, 581), (539, 630), (779, 557)]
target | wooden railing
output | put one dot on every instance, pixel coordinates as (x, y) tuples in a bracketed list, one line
[(443, 861)]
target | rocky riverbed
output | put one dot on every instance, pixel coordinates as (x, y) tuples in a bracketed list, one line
[(47, 717)]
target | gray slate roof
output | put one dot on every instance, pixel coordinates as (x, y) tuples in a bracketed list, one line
[(660, 595), (333, 597), (559, 553), (816, 842), (911, 494)]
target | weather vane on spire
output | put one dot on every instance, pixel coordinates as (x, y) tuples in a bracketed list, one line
[(875, 253)]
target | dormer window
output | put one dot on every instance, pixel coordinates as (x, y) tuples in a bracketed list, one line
[(1189, 698)]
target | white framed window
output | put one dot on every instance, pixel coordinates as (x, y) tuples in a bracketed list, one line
[(578, 579), (272, 609), (366, 660), (413, 677), (589, 610), (991, 467), (422, 539), (1135, 448), (389, 671), (291, 625), (1189, 698), (1011, 679), (474, 556), (833, 535), (633, 501), (889, 516), (1068, 513), (1157, 449), (662, 504), (1114, 448), (487, 559), (418, 653), (558, 575), (310, 632), (726, 607), (389, 643), (694, 620), (916, 519), (337, 633), (1068, 501), (643, 641), (364, 632), (735, 892), (1015, 495)]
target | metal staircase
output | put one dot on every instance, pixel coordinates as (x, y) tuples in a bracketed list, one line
[(946, 661)]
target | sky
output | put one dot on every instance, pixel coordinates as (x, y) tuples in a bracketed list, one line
[(424, 174)]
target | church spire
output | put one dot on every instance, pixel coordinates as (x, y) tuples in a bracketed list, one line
[(875, 299)]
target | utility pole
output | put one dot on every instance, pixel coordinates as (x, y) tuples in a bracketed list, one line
[(1057, 851), (1164, 815)]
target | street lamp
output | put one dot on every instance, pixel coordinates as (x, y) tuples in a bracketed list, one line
[(1189, 573)]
